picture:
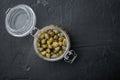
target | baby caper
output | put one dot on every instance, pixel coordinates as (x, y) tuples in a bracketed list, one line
[(51, 52), (40, 49), (44, 46), (60, 52), (42, 36), (49, 46), (52, 33), (64, 42), (43, 41), (56, 31), (55, 37), (58, 34), (60, 43), (43, 53), (61, 38), (47, 36), (63, 47), (54, 56), (48, 50), (55, 52), (48, 55), (50, 30), (50, 41), (57, 49), (55, 44)]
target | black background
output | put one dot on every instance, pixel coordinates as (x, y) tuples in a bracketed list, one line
[(94, 28)]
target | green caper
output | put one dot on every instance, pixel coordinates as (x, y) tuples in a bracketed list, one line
[(55, 44), (64, 42), (61, 38), (55, 52), (51, 52), (55, 37), (52, 33), (58, 34), (50, 30), (60, 52), (47, 36), (49, 46), (43, 53), (56, 31), (43, 41), (50, 41), (63, 47), (57, 49), (60, 43), (44, 46), (48, 50), (40, 49), (42, 36), (54, 56), (48, 55)]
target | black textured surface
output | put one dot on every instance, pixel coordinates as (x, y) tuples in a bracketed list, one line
[(94, 28)]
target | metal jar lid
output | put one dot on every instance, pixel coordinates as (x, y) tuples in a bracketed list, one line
[(20, 20)]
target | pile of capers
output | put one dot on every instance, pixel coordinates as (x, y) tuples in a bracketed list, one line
[(51, 43)]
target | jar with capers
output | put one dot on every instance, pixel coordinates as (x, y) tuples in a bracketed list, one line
[(52, 43)]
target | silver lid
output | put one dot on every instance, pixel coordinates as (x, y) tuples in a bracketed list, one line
[(20, 20)]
